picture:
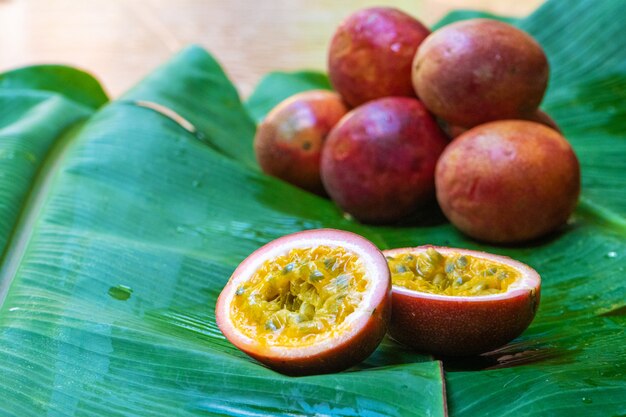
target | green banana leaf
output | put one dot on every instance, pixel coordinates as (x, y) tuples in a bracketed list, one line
[(277, 86), (121, 222), (72, 83), (126, 238)]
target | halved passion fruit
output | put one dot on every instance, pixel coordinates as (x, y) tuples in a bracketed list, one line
[(312, 302), (459, 302)]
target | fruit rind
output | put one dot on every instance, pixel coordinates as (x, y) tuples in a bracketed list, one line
[(379, 161), (478, 70), (463, 325), (371, 52), (366, 327), (508, 181), (289, 141)]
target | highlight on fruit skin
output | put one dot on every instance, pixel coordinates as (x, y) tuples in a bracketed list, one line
[(371, 53), (508, 181), (480, 70), (459, 302), (379, 161), (311, 302), (289, 141)]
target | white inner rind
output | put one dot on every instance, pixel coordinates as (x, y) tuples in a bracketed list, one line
[(528, 281), (376, 274)]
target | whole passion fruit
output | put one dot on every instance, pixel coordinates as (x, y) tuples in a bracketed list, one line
[(308, 303), (378, 162), (458, 302), (508, 181), (371, 53), (479, 70), (289, 141)]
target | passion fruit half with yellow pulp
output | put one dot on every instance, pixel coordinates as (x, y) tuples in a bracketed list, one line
[(312, 302), (459, 302)]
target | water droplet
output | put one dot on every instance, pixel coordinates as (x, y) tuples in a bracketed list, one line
[(180, 229), (120, 292), (587, 400), (396, 46), (196, 184), (14, 308), (611, 254)]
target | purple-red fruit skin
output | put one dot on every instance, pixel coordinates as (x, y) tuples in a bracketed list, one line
[(480, 70), (378, 162), (288, 143), (508, 181), (371, 53)]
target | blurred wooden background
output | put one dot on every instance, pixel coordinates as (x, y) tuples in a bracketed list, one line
[(121, 40)]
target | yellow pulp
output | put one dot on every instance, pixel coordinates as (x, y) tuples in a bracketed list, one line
[(452, 274), (299, 298)]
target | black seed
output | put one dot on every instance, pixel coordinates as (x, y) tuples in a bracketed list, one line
[(288, 268), (316, 276), (269, 325), (328, 263), (342, 281)]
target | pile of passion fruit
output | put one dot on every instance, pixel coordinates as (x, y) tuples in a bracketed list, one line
[(451, 115)]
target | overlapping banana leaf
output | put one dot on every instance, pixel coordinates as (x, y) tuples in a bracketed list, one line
[(121, 222)]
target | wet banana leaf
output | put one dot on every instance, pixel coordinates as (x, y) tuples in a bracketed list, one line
[(573, 357), (123, 227), (120, 225)]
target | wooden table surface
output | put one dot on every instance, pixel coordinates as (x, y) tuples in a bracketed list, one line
[(120, 41)]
